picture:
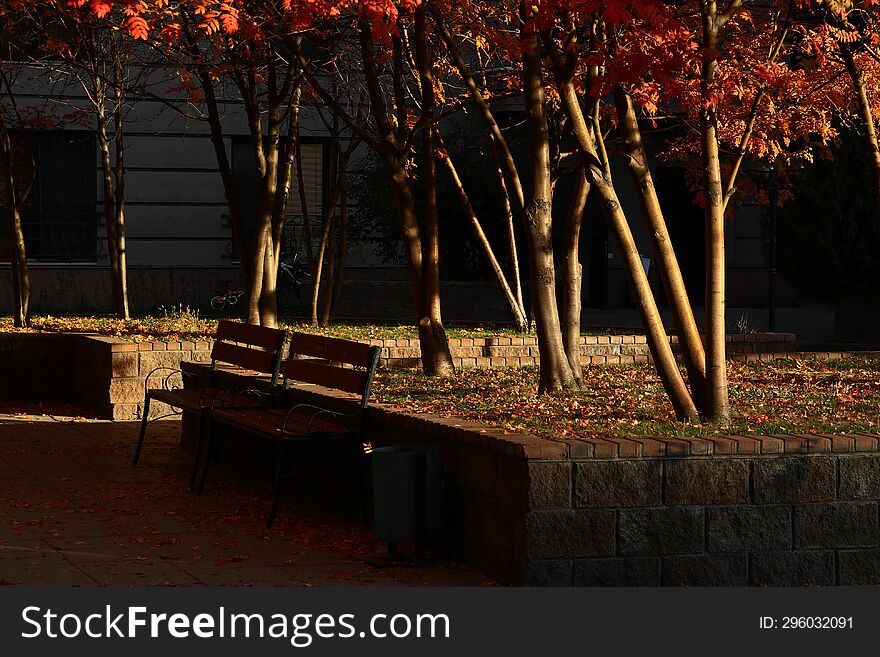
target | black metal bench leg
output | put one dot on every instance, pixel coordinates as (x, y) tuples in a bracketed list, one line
[(360, 464), (144, 420), (203, 428), (279, 480)]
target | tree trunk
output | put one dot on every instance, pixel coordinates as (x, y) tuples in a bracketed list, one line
[(861, 89), (515, 307), (230, 190), (342, 250), (112, 215), (572, 275), (717, 403), (21, 282), (511, 239), (690, 343), (303, 201), (431, 323), (602, 184), (120, 275), (555, 371)]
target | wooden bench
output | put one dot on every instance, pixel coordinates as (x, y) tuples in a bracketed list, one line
[(332, 363), (249, 348)]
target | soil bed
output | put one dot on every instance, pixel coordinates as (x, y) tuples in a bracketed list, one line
[(784, 396)]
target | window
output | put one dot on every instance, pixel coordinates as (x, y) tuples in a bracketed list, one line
[(59, 217), (245, 172)]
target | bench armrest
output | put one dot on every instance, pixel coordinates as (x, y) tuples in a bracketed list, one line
[(267, 398), (171, 371), (318, 411)]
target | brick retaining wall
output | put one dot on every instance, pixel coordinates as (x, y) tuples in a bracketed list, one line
[(595, 349)]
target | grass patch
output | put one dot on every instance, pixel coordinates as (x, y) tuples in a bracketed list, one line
[(183, 323), (786, 396)]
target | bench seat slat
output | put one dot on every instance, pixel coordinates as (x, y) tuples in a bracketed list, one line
[(323, 374), (335, 349), (270, 423), (193, 399), (251, 359)]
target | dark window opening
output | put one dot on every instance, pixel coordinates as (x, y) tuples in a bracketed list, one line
[(244, 170), (59, 216)]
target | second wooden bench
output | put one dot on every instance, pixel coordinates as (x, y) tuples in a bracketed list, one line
[(332, 363)]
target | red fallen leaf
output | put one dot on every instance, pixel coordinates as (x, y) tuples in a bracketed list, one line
[(5, 582)]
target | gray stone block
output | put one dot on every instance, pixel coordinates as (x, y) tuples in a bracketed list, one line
[(548, 572), (835, 525), (549, 484), (636, 571), (794, 479), (661, 531), (742, 528), (859, 477), (706, 570), (569, 534), (706, 481), (618, 483), (859, 566), (793, 568)]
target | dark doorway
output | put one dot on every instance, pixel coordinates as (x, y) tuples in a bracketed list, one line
[(687, 229)]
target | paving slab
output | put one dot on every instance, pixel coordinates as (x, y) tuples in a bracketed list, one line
[(74, 511)]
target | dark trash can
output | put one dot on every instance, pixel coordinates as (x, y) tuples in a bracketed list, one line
[(407, 485)]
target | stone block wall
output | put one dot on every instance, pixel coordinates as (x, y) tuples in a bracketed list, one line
[(732, 511)]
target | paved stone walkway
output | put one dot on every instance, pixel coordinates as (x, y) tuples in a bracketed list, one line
[(75, 512)]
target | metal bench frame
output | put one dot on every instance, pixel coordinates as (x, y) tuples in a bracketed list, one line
[(250, 347)]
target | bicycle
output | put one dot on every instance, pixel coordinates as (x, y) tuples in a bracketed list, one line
[(293, 272), (229, 299)]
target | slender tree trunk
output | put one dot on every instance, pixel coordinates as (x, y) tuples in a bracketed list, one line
[(867, 116), (515, 307), (21, 282), (230, 189), (303, 201), (511, 237), (461, 66), (717, 403), (572, 275), (682, 314), (333, 298), (120, 276), (331, 270), (320, 257), (323, 311), (110, 211), (555, 371), (603, 186)]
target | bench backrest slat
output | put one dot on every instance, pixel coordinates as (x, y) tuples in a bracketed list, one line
[(258, 348), (323, 374), (322, 361), (257, 336), (333, 349), (249, 359)]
